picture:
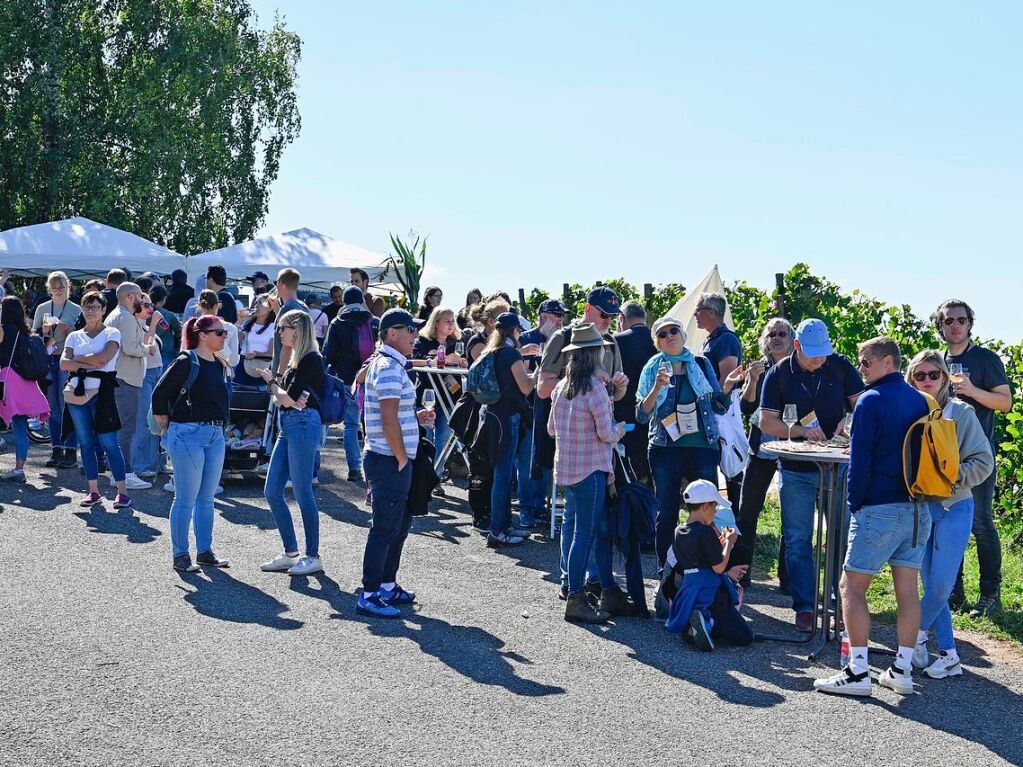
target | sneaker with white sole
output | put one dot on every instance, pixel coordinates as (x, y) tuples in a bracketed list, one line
[(921, 658), (132, 482), (944, 665), (306, 566), (845, 682), (279, 564), (895, 678), (14, 475), (146, 474), (700, 632)]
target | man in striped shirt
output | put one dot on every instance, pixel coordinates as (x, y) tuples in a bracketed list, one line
[(392, 439)]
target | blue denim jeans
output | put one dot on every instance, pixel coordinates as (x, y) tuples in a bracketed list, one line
[(950, 533), (504, 470), (294, 458), (83, 417), (145, 448), (532, 492), (672, 468), (19, 427), (55, 396), (798, 493), (589, 532), (197, 451), (441, 431), (353, 454), (389, 490)]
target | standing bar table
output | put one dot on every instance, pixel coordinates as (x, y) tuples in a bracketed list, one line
[(831, 462), (434, 377)]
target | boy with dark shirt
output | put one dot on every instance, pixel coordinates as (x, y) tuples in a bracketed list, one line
[(705, 603)]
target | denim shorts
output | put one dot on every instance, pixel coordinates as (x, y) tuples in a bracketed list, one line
[(883, 534)]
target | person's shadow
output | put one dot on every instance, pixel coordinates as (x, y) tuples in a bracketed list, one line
[(28, 496), (220, 596), (118, 522)]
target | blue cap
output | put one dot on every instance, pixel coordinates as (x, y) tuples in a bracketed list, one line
[(396, 318), (605, 299), (552, 306), (508, 320), (813, 339)]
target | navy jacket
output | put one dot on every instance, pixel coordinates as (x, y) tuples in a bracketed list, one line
[(881, 418), (637, 347)]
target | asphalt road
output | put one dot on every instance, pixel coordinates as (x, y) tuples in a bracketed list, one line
[(108, 657)]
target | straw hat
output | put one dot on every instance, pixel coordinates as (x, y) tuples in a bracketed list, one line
[(586, 336)]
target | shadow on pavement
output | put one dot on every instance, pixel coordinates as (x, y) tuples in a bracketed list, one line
[(28, 496), (220, 596), (118, 522)]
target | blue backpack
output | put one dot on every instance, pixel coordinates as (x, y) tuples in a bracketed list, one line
[(481, 383), (335, 399)]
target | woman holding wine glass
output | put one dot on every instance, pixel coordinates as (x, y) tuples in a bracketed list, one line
[(440, 331), (678, 396)]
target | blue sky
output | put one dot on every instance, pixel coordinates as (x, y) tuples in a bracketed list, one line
[(542, 143)]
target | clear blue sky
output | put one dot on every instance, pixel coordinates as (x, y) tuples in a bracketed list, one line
[(541, 143)]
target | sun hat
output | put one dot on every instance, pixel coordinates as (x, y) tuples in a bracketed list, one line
[(667, 322), (586, 336)]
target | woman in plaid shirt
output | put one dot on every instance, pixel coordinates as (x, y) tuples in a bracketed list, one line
[(583, 426)]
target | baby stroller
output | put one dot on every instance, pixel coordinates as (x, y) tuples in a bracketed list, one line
[(252, 429)]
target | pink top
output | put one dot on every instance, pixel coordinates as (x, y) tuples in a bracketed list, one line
[(584, 431)]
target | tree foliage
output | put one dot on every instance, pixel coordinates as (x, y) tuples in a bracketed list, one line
[(163, 117)]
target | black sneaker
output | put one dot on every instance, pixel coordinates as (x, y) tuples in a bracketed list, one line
[(593, 587), (987, 605), (563, 593), (183, 564), (699, 632), (355, 476), (211, 559), (67, 461), (957, 599), (55, 457)]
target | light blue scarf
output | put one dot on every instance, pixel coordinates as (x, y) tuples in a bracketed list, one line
[(694, 373)]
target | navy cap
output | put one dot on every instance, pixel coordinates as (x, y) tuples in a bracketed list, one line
[(258, 276), (605, 299), (508, 320), (396, 318), (552, 306)]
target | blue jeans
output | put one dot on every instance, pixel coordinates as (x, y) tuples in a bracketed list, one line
[(532, 492), (145, 448), (672, 468), (197, 451), (441, 431), (389, 490), (19, 425), (83, 417), (294, 458), (353, 454), (504, 470), (798, 493), (589, 532), (55, 396), (950, 533)]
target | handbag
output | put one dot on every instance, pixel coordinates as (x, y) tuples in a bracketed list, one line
[(733, 440)]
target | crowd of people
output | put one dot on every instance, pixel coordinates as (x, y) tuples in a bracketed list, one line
[(141, 375)]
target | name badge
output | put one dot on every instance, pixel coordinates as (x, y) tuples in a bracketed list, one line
[(671, 426), (688, 421), (810, 421)]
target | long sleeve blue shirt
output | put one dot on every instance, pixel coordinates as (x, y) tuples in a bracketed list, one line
[(881, 418)]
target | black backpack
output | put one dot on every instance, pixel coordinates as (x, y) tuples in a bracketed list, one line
[(29, 358)]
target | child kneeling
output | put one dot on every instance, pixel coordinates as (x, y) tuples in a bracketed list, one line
[(702, 591)]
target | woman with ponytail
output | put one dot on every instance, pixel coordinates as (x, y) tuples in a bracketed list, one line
[(192, 418)]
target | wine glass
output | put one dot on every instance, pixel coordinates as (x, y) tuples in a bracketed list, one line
[(459, 348), (48, 322), (790, 416), (955, 372), (429, 399), (667, 368)]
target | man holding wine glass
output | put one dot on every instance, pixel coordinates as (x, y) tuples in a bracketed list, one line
[(978, 378), (805, 398)]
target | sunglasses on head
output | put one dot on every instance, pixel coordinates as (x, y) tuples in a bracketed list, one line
[(672, 331), (778, 334), (921, 376), (220, 333), (950, 321)]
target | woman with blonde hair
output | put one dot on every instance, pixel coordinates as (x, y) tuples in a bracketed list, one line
[(294, 456), (951, 520), (440, 330)]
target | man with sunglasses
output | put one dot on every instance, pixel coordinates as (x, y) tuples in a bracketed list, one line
[(984, 385), (637, 347)]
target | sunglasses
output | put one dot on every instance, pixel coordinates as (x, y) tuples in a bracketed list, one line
[(950, 321), (146, 305), (605, 316), (866, 362), (672, 331), (778, 334), (934, 375), (220, 333)]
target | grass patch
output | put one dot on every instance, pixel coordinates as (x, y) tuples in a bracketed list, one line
[(881, 596)]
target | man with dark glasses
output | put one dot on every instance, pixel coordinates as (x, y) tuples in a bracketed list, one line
[(980, 381)]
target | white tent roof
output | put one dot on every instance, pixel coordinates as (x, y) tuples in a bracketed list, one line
[(323, 261), (82, 248), (684, 310)]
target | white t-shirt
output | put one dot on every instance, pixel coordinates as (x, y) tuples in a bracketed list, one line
[(259, 343), (81, 344)]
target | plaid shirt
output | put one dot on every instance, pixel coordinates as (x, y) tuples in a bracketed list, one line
[(585, 433)]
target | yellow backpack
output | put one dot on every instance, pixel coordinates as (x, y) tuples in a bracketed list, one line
[(930, 455)]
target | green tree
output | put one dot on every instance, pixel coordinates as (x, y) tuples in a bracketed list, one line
[(163, 117)]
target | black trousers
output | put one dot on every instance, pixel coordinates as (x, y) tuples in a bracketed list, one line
[(755, 483)]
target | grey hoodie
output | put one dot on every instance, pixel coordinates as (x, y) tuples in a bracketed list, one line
[(976, 461)]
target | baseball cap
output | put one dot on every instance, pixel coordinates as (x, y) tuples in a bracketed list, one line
[(666, 322), (258, 276), (508, 320), (552, 306), (604, 299), (703, 491), (396, 318), (813, 338)]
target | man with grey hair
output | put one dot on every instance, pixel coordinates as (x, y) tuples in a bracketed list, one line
[(637, 347)]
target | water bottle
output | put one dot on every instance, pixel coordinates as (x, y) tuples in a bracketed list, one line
[(844, 660), (441, 356)]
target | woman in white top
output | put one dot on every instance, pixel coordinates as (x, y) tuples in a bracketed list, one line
[(90, 359), (256, 350)]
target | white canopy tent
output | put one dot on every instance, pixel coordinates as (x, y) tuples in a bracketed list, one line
[(323, 261), (685, 310), (83, 249)]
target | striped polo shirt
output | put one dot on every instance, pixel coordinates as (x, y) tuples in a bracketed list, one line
[(386, 379)]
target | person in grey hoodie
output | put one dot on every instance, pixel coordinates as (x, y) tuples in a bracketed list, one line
[(951, 520)]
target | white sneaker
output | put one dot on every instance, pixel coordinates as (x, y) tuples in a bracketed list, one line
[(845, 682), (894, 678), (132, 482), (262, 469), (289, 486), (306, 566), (921, 658), (169, 487), (943, 666), (279, 564)]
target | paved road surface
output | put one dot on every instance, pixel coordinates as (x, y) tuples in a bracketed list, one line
[(111, 658)]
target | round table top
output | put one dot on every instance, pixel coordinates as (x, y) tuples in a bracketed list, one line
[(806, 451), (442, 371)]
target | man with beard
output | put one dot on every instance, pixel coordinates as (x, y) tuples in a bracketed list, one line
[(637, 347)]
